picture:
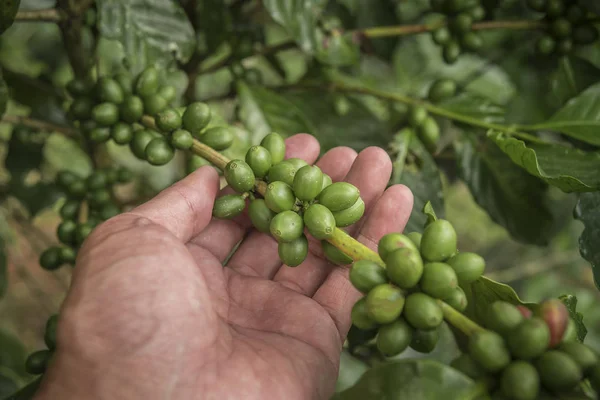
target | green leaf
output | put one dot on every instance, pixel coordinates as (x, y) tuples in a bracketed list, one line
[(264, 111), (411, 379), (571, 302), (151, 31), (299, 18), (351, 369), (3, 269), (8, 12), (569, 169), (579, 118), (63, 153), (420, 173), (513, 198), (475, 106), (3, 94), (429, 213), (572, 76), (384, 14), (483, 292), (588, 212), (27, 392), (12, 354), (339, 50), (214, 22)]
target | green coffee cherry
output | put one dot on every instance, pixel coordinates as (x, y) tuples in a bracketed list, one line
[(561, 28), (558, 371), (121, 133), (334, 255), (385, 303), (489, 350), (297, 162), (339, 196), (564, 46), (168, 92), (545, 45), (105, 114), (415, 237), (260, 215), (239, 176), (110, 91), (503, 317), (283, 172), (67, 255), (308, 182), (132, 109), (392, 241), (350, 215), (82, 231), (81, 108), (404, 267), (467, 365), (554, 8), (259, 159), (424, 340), (584, 356), (79, 87), (182, 139), (77, 189), (66, 232), (100, 134), (65, 178), (286, 226), (319, 221), (365, 275), (37, 362), (422, 311), (477, 13), (468, 266), (50, 332), (97, 180), (147, 82), (439, 241), (570, 333), (439, 280), (276, 146), (69, 210), (394, 338), (159, 151), (228, 206), (461, 23), (168, 120), (441, 35), (584, 34), (360, 317), (529, 339), (125, 82), (140, 141), (520, 381), (154, 104), (442, 89), (471, 41), (279, 197), (575, 13), (417, 115), (451, 52), (457, 300), (98, 198), (218, 138), (50, 259), (108, 211), (124, 175), (196, 117), (429, 133), (293, 253)]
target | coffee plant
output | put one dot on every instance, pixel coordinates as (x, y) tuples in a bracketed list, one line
[(106, 102)]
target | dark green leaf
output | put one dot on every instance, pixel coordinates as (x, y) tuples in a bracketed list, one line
[(263, 111), (572, 75), (421, 174), (571, 302), (411, 379), (384, 14), (512, 197), (27, 392), (3, 270), (483, 292), (3, 95), (351, 369), (299, 18), (150, 31), (339, 50), (592, 5), (214, 22), (588, 212), (8, 12), (34, 197), (12, 353), (569, 169), (579, 118), (475, 106), (8, 385)]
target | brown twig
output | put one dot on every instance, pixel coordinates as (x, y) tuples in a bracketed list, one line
[(40, 125), (45, 15)]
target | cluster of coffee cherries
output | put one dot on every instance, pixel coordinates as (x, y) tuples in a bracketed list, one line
[(115, 108), (402, 300), (89, 201), (37, 362), (297, 196), (522, 354), (567, 26), (457, 35)]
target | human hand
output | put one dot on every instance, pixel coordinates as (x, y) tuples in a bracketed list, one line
[(153, 314)]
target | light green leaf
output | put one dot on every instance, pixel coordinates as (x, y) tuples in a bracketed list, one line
[(339, 50), (63, 153), (569, 169), (299, 18), (588, 212), (513, 198), (28, 392), (8, 12), (475, 106), (151, 31), (411, 379), (579, 118), (351, 369), (571, 302)]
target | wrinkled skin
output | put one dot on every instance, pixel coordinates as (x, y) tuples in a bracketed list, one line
[(152, 314)]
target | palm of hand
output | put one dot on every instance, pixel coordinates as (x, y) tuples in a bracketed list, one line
[(162, 318)]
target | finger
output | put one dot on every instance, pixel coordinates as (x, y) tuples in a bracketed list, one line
[(184, 208), (370, 173), (265, 263), (221, 236), (390, 214)]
